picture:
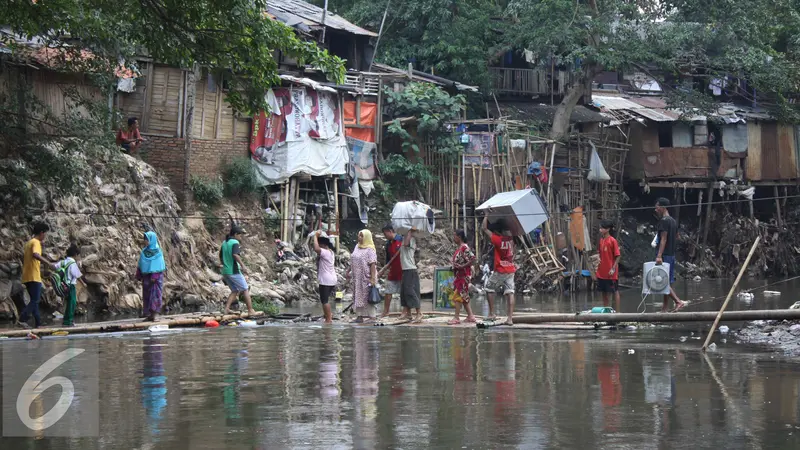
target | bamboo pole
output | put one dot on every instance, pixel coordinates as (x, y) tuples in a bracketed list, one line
[(708, 212), (336, 210), (730, 293), (464, 191), (478, 200), (778, 217), (182, 320), (458, 188), (695, 316), (284, 209), (475, 205)]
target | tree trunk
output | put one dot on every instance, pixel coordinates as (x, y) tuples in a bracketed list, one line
[(564, 110)]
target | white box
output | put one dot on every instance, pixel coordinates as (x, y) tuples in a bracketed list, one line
[(522, 210)]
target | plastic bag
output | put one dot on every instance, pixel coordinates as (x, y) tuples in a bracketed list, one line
[(596, 170), (374, 295), (416, 215)]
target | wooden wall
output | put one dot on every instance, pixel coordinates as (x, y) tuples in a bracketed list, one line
[(771, 152), (159, 103)]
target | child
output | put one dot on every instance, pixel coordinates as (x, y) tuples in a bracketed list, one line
[(233, 269), (608, 270), (31, 273), (73, 275), (326, 274)]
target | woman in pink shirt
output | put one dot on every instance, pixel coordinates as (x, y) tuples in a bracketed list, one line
[(326, 274)]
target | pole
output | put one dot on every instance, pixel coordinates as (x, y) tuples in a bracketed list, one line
[(730, 293), (324, 16), (380, 33), (708, 212)]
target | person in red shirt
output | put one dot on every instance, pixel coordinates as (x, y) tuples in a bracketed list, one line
[(130, 139), (607, 274), (504, 270), (393, 243)]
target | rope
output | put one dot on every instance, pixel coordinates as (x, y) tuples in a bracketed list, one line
[(385, 217)]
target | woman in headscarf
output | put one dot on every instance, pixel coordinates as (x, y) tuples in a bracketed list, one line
[(363, 272), (462, 271), (151, 273)]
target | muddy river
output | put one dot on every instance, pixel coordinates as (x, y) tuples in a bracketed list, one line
[(314, 387)]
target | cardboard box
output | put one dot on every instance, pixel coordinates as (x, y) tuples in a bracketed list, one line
[(522, 211)]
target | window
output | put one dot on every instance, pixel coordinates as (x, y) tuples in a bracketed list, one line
[(665, 134)]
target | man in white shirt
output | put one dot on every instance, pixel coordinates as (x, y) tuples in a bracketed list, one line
[(409, 287)]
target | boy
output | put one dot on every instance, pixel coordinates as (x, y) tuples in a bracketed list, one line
[(31, 273), (73, 275), (233, 269), (504, 270), (665, 249), (130, 139), (608, 270), (393, 243)]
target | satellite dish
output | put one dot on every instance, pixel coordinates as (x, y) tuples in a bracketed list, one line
[(655, 279)]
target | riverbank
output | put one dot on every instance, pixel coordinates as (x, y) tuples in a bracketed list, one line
[(782, 335)]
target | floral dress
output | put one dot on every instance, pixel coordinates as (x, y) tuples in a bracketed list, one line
[(360, 260), (462, 271)]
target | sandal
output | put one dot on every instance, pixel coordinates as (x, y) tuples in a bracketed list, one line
[(418, 319), (454, 322), (471, 320)]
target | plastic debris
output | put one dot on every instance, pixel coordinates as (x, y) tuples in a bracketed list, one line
[(631, 351), (745, 296), (723, 329), (772, 293), (248, 323), (58, 315), (713, 346), (684, 338), (698, 278), (159, 327), (212, 324), (630, 328)]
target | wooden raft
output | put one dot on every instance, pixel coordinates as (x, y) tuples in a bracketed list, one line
[(115, 326)]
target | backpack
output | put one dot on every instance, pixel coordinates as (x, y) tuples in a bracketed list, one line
[(60, 280)]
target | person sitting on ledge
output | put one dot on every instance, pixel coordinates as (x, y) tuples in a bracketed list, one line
[(130, 139)]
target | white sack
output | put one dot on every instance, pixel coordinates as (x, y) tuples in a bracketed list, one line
[(596, 170), (416, 215)]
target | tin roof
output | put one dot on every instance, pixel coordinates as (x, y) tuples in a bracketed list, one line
[(302, 15), (647, 107)]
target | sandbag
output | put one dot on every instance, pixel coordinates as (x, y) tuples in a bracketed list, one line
[(416, 215)]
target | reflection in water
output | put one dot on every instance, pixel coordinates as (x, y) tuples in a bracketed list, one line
[(417, 387), (153, 384)]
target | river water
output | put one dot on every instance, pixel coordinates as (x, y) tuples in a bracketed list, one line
[(287, 387), (315, 387)]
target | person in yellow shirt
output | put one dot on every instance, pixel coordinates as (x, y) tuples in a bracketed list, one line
[(31, 273)]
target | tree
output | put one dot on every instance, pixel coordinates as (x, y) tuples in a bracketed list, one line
[(451, 38), (234, 36), (681, 43)]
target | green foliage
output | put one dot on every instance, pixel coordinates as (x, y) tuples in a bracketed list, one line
[(450, 38), (231, 36), (266, 305), (207, 192), (239, 177), (272, 224), (405, 176), (212, 223)]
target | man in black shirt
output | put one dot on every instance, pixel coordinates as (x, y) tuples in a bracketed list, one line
[(665, 249)]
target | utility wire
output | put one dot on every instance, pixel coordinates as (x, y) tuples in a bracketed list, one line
[(261, 218)]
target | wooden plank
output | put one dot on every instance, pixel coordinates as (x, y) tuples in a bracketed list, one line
[(148, 93), (218, 115), (181, 111), (753, 159)]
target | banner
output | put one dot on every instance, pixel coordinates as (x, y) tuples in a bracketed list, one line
[(362, 158), (479, 150), (302, 133)]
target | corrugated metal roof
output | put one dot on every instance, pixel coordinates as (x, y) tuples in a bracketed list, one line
[(296, 13), (648, 107)]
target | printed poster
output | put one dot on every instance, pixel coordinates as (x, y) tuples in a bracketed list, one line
[(443, 291), (362, 158), (269, 129), (479, 150)]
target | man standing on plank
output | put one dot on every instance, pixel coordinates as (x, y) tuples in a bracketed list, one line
[(503, 275), (666, 244), (409, 286), (31, 273), (608, 271)]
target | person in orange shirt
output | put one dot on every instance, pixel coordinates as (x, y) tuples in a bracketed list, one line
[(32, 275), (130, 139), (607, 274), (504, 270)]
